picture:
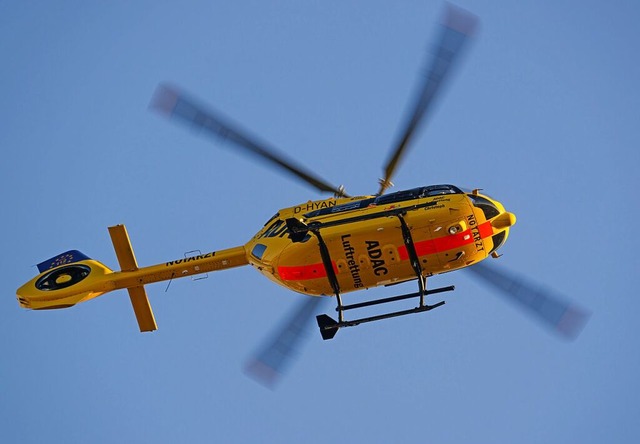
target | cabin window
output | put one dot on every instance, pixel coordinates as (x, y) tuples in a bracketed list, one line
[(258, 251), (399, 196), (354, 205), (417, 193), (437, 190)]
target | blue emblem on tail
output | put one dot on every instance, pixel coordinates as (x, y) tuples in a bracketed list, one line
[(68, 257)]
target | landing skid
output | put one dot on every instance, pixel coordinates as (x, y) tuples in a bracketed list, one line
[(329, 326)]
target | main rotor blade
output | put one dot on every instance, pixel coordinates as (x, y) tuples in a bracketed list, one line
[(459, 25), (277, 352), (175, 104), (565, 318)]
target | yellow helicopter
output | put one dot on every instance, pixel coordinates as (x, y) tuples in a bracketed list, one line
[(333, 246)]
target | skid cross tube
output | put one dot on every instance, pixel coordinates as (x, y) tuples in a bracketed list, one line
[(329, 327), (395, 298), (388, 315), (413, 256), (328, 267)]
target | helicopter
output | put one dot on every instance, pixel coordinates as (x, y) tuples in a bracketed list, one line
[(332, 246)]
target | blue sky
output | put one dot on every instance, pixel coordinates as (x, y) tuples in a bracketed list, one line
[(542, 115)]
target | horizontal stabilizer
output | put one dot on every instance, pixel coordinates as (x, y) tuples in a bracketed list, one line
[(142, 309), (127, 261)]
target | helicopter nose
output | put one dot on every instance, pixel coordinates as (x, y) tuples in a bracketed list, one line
[(505, 220)]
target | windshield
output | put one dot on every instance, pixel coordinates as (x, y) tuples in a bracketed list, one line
[(498, 240), (488, 208)]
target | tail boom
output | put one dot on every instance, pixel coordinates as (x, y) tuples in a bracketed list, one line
[(67, 284), (205, 263)]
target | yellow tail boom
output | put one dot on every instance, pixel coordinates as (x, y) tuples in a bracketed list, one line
[(71, 278)]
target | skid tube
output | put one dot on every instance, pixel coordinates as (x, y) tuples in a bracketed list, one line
[(329, 326)]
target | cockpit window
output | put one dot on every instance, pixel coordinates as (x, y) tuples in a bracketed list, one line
[(487, 207), (498, 240)]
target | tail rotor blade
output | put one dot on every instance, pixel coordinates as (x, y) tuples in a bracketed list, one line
[(175, 104), (552, 309), (457, 28)]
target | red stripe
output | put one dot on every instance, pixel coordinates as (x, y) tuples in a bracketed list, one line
[(304, 272), (423, 248), (486, 230), (449, 242)]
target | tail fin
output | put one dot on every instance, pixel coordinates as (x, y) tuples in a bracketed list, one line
[(67, 257), (64, 281), (73, 277)]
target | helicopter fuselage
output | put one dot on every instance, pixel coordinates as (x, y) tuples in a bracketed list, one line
[(366, 243), (325, 247)]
